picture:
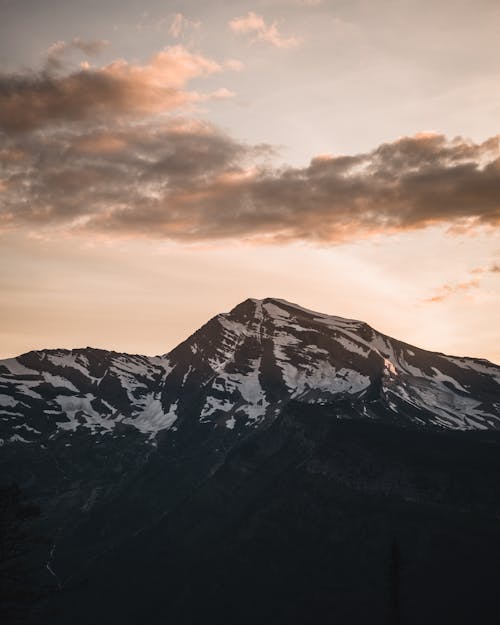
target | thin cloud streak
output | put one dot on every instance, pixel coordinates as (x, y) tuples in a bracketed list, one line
[(447, 290)]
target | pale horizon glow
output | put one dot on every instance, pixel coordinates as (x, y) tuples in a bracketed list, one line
[(139, 297)]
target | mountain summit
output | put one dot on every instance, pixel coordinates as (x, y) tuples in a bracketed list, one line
[(238, 371)]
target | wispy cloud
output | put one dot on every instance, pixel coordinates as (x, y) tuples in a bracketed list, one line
[(447, 290), (182, 27), (57, 52), (491, 269), (255, 26)]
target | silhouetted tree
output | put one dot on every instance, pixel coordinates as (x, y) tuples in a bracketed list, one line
[(394, 584), (18, 592)]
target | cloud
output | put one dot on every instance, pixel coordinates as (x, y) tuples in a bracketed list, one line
[(101, 175), (491, 269), (58, 51), (182, 26), (254, 25), (119, 89), (447, 290), (186, 180)]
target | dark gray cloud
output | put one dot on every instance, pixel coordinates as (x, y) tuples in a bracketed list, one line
[(188, 181)]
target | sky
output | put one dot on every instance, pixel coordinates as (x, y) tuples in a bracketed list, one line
[(162, 161)]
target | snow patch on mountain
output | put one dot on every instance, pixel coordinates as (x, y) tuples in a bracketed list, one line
[(213, 405), (6, 400), (441, 377), (70, 360), (16, 368), (480, 366), (73, 407), (58, 382), (153, 418), (350, 346)]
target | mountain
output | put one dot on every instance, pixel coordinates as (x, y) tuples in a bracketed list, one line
[(276, 453), (239, 371)]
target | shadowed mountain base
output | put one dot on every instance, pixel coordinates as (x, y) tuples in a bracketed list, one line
[(298, 524)]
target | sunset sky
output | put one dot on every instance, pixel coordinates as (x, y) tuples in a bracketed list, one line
[(162, 161)]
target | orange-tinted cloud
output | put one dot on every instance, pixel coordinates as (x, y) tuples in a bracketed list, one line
[(255, 26), (188, 181), (119, 89), (447, 290)]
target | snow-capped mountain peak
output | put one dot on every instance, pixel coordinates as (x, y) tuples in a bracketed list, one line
[(238, 371)]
